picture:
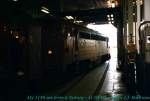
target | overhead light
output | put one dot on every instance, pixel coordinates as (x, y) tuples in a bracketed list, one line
[(109, 19), (45, 10), (20, 73), (15, 0), (141, 2), (108, 2), (69, 17), (108, 16), (112, 18), (109, 22), (112, 22), (112, 15), (11, 32), (133, 3), (78, 21)]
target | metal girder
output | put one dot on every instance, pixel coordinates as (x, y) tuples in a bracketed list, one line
[(95, 15)]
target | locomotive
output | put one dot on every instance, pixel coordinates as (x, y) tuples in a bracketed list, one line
[(38, 50), (50, 45)]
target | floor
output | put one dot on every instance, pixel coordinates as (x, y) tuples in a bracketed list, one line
[(103, 83), (114, 88)]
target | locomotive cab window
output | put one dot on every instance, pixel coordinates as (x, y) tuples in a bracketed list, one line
[(84, 35), (93, 36)]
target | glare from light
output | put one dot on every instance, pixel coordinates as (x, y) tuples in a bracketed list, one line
[(112, 18), (108, 16), (112, 22), (109, 19), (108, 30), (109, 22), (113, 5)]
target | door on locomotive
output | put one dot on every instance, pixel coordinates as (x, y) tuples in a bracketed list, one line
[(52, 41), (71, 47), (143, 62)]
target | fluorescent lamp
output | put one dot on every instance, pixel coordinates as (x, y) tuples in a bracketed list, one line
[(45, 10), (69, 17), (78, 21), (15, 0)]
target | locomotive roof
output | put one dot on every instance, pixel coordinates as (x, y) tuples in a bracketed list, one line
[(83, 28)]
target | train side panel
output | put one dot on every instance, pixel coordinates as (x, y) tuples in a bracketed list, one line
[(34, 51), (87, 50), (53, 45)]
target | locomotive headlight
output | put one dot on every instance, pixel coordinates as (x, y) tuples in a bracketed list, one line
[(17, 36), (50, 52)]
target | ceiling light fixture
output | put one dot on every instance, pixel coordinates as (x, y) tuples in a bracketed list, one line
[(15, 0), (112, 15), (78, 21), (69, 17), (45, 10)]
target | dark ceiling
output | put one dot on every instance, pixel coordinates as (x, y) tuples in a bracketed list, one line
[(70, 5), (88, 11)]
